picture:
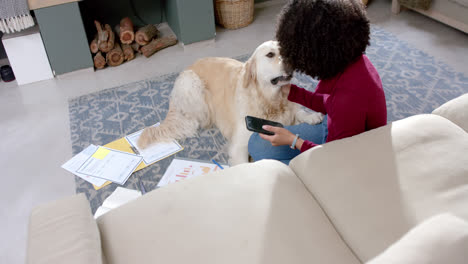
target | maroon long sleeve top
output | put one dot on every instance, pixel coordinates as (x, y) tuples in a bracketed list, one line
[(354, 101)]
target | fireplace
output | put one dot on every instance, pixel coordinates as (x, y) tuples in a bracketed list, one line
[(67, 27)]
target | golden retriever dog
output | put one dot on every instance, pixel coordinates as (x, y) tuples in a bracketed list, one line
[(221, 92)]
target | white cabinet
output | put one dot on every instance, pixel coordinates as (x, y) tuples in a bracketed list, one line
[(27, 56)]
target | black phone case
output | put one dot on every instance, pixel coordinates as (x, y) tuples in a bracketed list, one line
[(255, 124)]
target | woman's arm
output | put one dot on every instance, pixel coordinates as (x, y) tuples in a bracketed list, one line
[(306, 98), (283, 136)]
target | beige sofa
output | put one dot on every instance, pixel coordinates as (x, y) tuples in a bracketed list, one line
[(344, 202)]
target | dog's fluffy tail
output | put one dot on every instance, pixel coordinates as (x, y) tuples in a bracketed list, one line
[(188, 111)]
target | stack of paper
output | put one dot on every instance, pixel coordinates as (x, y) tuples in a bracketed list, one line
[(119, 197), (101, 165), (98, 164), (109, 164)]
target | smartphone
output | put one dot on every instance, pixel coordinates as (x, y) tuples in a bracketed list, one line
[(255, 124)]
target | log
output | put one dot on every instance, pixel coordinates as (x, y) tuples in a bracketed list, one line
[(108, 45), (136, 47), (158, 44), (94, 45), (126, 33), (102, 34), (145, 34), (128, 52), (99, 61), (115, 57)]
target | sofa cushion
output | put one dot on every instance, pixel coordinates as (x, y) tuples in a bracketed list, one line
[(252, 213), (64, 231), (455, 110), (377, 185), (440, 239)]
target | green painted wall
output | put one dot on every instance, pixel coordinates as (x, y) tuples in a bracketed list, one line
[(197, 18), (192, 21), (171, 12), (64, 37)]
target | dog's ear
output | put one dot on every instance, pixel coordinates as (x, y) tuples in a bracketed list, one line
[(250, 74)]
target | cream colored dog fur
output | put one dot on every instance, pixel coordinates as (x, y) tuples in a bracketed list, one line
[(221, 92)]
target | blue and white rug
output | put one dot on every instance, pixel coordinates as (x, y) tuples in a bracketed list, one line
[(414, 83)]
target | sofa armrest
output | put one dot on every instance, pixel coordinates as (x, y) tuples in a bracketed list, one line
[(455, 110), (64, 231), (440, 239), (377, 185)]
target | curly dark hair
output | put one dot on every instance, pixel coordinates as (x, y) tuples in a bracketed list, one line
[(322, 37)]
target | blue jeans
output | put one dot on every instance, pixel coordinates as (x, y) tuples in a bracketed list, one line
[(261, 149)]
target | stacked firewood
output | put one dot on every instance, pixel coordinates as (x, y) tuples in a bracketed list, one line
[(113, 47)]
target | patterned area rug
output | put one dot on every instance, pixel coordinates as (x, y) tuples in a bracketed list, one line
[(414, 83)]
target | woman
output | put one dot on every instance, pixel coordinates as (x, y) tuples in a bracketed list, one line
[(325, 39)]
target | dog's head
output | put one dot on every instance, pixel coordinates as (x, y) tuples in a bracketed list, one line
[(266, 68)]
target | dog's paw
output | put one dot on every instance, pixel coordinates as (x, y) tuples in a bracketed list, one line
[(311, 118), (314, 118), (145, 139)]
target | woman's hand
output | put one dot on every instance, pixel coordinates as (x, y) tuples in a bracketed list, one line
[(285, 89), (281, 137)]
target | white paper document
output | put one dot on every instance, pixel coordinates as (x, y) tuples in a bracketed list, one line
[(115, 166), (119, 197), (154, 152), (181, 169), (75, 163)]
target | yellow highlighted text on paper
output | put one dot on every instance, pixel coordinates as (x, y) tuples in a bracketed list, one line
[(101, 153)]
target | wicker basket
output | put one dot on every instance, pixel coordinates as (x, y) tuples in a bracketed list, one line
[(233, 14)]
